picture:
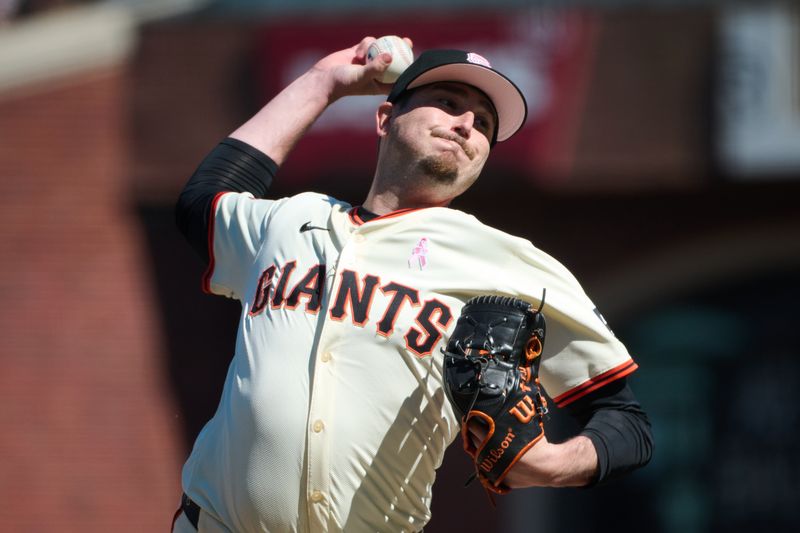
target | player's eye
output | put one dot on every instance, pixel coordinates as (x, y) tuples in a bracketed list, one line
[(447, 103), (483, 124)]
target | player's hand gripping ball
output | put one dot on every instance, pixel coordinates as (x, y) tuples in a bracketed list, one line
[(491, 367), (402, 56)]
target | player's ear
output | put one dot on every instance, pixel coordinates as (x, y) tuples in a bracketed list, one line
[(383, 117)]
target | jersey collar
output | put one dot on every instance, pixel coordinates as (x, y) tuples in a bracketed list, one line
[(358, 215)]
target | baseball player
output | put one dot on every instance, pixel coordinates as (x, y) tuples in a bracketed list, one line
[(334, 414)]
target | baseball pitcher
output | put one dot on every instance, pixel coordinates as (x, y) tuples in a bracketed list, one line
[(373, 336)]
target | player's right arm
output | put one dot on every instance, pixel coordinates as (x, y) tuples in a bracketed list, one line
[(247, 161), (277, 127)]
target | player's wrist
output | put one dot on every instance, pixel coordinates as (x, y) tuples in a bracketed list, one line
[(320, 85), (569, 464), (573, 463), (537, 468)]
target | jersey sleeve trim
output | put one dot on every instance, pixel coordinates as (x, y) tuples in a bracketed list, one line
[(620, 371), (206, 282)]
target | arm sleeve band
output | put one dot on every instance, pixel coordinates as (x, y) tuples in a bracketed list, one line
[(232, 166), (617, 426)]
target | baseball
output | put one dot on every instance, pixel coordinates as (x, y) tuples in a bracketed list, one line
[(402, 56)]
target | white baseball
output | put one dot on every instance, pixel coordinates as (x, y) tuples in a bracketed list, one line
[(402, 56)]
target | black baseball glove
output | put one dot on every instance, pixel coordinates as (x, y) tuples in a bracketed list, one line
[(491, 368)]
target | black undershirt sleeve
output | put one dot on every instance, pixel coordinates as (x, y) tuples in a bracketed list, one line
[(232, 166), (618, 427)]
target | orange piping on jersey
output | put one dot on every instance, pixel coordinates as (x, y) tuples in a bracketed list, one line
[(398, 213), (356, 219), (211, 220), (596, 382)]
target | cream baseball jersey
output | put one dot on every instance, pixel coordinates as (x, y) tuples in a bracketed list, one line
[(333, 416)]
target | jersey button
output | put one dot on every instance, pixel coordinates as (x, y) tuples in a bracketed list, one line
[(358, 238), (318, 426), (317, 496), (326, 356)]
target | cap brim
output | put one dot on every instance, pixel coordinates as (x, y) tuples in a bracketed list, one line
[(507, 98)]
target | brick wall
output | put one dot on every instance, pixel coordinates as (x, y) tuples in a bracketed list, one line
[(88, 442)]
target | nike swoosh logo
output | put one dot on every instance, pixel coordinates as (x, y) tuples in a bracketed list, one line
[(308, 227)]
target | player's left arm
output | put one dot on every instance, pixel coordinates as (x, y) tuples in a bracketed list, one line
[(616, 439)]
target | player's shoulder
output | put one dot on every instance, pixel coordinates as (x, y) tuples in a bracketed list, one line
[(307, 203), (496, 242), (288, 209), (472, 223), (455, 216), (311, 197), (315, 201)]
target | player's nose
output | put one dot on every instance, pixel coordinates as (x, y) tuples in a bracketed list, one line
[(464, 123)]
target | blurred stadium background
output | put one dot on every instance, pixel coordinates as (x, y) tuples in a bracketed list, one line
[(660, 162)]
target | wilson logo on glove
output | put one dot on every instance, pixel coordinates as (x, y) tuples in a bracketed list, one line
[(525, 410), (497, 453)]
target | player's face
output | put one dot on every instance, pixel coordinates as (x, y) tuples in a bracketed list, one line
[(444, 129)]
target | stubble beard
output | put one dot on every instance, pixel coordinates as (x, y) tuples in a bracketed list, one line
[(441, 168)]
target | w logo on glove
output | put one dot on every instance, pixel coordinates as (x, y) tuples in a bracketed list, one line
[(525, 410)]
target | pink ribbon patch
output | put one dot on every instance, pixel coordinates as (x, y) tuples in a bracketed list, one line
[(419, 255)]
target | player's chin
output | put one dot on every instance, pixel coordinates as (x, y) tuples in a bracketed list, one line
[(443, 168)]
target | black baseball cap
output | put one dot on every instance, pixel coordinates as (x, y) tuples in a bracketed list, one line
[(473, 69)]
